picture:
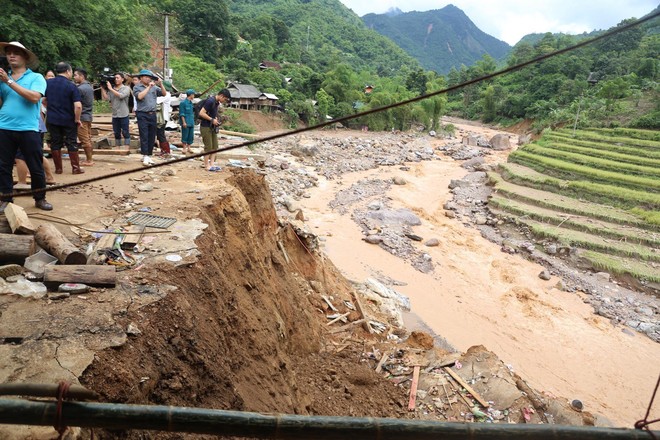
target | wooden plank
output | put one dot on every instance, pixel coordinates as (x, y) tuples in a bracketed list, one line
[(327, 301), (413, 389), (105, 242), (18, 220), (236, 133), (104, 152), (360, 309), (100, 276), (339, 318), (343, 328), (133, 236), (383, 359), (467, 387)]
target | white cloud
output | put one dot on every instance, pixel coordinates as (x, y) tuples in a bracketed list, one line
[(510, 20)]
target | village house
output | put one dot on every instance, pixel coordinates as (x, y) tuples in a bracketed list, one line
[(248, 97)]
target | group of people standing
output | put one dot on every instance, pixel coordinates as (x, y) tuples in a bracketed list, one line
[(60, 108)]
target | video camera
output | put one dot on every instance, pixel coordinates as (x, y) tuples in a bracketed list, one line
[(4, 64), (106, 76)]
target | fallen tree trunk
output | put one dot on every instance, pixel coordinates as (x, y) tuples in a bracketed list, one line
[(97, 276), (15, 248), (56, 244)]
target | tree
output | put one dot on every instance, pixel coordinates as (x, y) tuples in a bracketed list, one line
[(324, 103)]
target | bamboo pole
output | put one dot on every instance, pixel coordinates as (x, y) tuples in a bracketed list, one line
[(255, 425)]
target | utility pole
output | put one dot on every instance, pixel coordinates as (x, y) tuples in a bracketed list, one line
[(166, 47), (307, 38)]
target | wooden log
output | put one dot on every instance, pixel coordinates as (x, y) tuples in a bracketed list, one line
[(4, 226), (15, 248), (97, 276), (467, 387), (413, 388), (18, 220), (56, 244)]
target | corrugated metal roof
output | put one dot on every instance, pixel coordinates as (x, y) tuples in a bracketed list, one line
[(239, 91)]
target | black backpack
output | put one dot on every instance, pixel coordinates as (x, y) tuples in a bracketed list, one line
[(198, 107)]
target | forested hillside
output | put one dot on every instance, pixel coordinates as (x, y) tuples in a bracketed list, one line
[(440, 39), (327, 57)]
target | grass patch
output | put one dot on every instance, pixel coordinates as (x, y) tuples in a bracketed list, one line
[(596, 152), (632, 151), (575, 222), (571, 171), (558, 202), (569, 237), (604, 136), (594, 162), (594, 192), (622, 266), (637, 133)]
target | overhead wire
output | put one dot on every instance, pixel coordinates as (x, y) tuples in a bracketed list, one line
[(487, 77)]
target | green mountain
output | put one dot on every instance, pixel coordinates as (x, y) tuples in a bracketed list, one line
[(321, 32), (440, 39)]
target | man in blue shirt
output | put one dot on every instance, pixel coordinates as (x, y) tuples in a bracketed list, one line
[(21, 91), (64, 109)]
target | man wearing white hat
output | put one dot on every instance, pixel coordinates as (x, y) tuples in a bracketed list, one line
[(21, 91)]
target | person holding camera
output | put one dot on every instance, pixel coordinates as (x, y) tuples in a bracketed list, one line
[(118, 94), (146, 92), (21, 91), (210, 124), (86, 117)]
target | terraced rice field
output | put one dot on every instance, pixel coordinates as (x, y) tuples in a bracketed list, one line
[(595, 190)]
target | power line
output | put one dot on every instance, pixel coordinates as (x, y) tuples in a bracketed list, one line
[(358, 115)]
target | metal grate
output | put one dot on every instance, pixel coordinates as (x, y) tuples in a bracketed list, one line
[(153, 221)]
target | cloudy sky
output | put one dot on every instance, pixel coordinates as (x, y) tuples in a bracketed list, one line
[(510, 20)]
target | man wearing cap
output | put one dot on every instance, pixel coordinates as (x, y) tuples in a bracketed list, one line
[(118, 95), (146, 92), (21, 91), (64, 109), (86, 117), (187, 120)]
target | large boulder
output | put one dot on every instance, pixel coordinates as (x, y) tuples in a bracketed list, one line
[(500, 142)]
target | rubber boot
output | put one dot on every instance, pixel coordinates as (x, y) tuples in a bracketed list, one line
[(57, 160), (165, 148), (75, 162), (88, 157), (50, 179)]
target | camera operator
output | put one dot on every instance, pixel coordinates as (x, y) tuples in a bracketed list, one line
[(118, 94)]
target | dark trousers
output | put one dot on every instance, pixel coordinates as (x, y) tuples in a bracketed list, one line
[(61, 135), (30, 146), (120, 127), (147, 128)]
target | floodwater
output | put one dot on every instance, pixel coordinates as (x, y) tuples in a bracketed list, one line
[(478, 295)]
